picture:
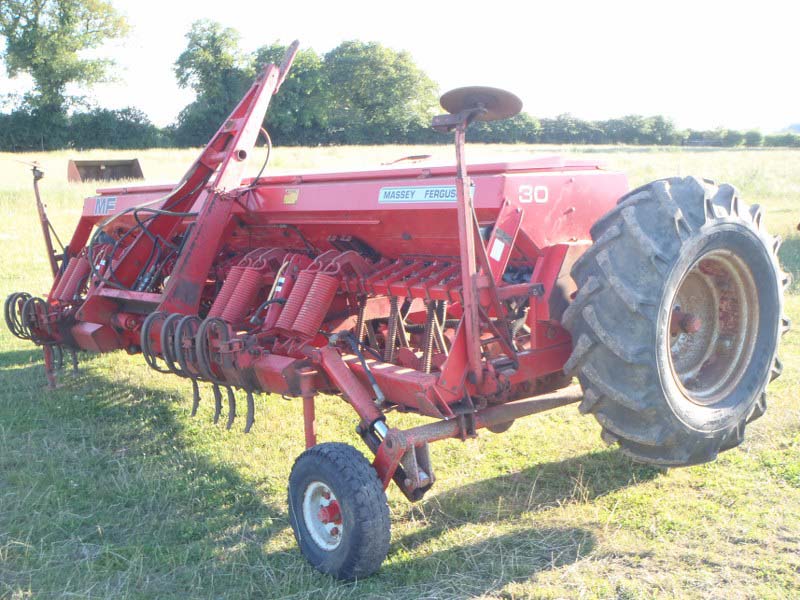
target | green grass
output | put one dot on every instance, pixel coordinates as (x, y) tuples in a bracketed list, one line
[(108, 489)]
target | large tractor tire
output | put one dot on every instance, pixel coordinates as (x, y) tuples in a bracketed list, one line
[(676, 321)]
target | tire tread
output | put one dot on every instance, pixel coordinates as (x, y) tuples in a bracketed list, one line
[(615, 367), (359, 480)]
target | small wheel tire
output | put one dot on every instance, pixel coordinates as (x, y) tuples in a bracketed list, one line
[(338, 511), (675, 385)]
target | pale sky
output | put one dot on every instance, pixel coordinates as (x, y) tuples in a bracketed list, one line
[(703, 63)]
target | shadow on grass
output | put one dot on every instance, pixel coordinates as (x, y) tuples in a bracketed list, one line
[(139, 506), (534, 489), (113, 495), (18, 358), (487, 565)]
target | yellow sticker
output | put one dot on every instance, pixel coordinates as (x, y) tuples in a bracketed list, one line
[(290, 196)]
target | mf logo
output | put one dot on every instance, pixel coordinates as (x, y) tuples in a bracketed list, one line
[(104, 205)]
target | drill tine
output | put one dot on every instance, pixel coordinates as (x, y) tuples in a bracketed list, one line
[(195, 397), (74, 357), (429, 337), (391, 337), (231, 408), (217, 402), (58, 357), (251, 412), (49, 369)]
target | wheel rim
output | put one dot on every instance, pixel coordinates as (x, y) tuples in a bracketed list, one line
[(713, 327), (322, 516)]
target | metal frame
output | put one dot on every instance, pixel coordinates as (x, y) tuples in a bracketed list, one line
[(356, 284)]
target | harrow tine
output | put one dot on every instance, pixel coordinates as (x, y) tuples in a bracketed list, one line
[(74, 358), (185, 332), (251, 412), (13, 313), (149, 354), (231, 408), (29, 315), (217, 402), (195, 397), (168, 343), (203, 345), (58, 357), (49, 367)]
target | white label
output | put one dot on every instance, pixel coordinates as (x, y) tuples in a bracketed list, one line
[(431, 193), (104, 204), (533, 193), (497, 250)]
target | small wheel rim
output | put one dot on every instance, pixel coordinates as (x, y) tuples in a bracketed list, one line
[(713, 327), (322, 516)]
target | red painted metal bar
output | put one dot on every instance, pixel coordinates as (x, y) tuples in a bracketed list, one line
[(227, 152), (185, 287), (397, 442), (343, 378), (466, 237), (501, 242), (491, 416), (309, 413), (44, 221), (76, 244)]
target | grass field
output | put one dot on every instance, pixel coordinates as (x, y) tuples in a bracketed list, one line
[(108, 489)]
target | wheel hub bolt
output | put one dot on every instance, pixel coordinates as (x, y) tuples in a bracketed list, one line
[(684, 322), (330, 513)]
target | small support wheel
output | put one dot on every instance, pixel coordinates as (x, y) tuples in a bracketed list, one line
[(338, 511)]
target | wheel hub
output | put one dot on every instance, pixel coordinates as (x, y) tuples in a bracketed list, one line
[(713, 326), (322, 515)]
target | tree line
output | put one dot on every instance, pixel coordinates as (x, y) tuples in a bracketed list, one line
[(357, 93)]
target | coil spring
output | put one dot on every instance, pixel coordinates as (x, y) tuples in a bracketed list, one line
[(427, 350), (391, 337), (59, 289), (296, 299), (34, 316), (243, 297), (73, 284), (228, 287), (317, 302)]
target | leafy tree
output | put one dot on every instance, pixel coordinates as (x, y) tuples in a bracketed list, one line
[(788, 140), (124, 128), (631, 129), (211, 65), (753, 138), (662, 131), (711, 137), (358, 93), (377, 94), (521, 128), (46, 39), (733, 138), (18, 132), (299, 113), (567, 129)]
